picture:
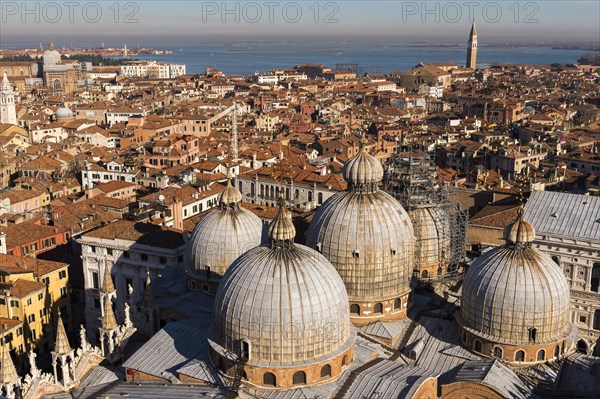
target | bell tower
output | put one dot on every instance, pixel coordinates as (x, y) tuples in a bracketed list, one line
[(8, 113), (472, 49)]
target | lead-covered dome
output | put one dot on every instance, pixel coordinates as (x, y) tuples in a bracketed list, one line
[(433, 249), (516, 295), (63, 113), (368, 237), (222, 235), (284, 308)]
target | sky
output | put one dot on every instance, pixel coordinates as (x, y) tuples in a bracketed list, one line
[(85, 22)]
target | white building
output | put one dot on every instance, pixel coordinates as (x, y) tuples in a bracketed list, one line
[(8, 112), (153, 69), (112, 171), (130, 251), (567, 228)]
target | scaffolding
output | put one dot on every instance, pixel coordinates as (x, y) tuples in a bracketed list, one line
[(438, 221)]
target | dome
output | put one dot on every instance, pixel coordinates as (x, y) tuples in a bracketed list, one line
[(519, 231), (433, 241), (284, 308), (51, 57), (222, 235), (63, 113), (364, 171), (516, 295), (368, 237)]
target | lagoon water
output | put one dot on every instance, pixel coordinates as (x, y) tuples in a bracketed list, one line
[(247, 58)]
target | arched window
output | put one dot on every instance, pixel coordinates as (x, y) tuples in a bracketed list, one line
[(269, 379), (555, 259), (532, 334), (273, 192), (354, 309), (541, 356), (378, 308), (240, 187), (299, 378), (245, 349), (557, 351), (252, 192), (310, 196), (262, 190), (424, 274), (595, 281), (498, 352), (296, 194), (397, 303), (57, 85), (582, 346), (320, 198), (477, 346), (287, 193), (344, 360), (520, 356), (326, 371)]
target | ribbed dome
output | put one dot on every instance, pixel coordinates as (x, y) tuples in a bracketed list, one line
[(369, 239), (288, 303), (281, 228), (223, 235), (520, 231), (363, 172), (511, 290), (432, 229), (231, 195)]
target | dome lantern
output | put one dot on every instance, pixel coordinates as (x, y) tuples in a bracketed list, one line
[(519, 232), (231, 196), (363, 172), (281, 229)]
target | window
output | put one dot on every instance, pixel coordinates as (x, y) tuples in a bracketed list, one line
[(355, 309), (109, 251), (320, 198), (245, 350), (596, 319), (582, 319), (326, 371), (63, 292), (356, 253), (144, 257), (532, 334), (541, 355), (33, 335), (556, 351), (14, 304), (92, 249), (95, 280), (378, 309), (520, 356), (126, 255), (96, 303), (269, 379), (477, 346), (595, 281), (46, 280), (344, 360), (40, 296), (498, 352), (2, 301), (299, 378), (62, 274), (29, 301), (397, 303), (31, 318), (19, 331), (162, 260)]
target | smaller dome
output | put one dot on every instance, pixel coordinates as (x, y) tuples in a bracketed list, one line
[(281, 229), (363, 172), (63, 113), (231, 195), (520, 231)]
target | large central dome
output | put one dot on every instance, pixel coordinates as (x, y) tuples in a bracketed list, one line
[(284, 308), (368, 237), (515, 301)]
